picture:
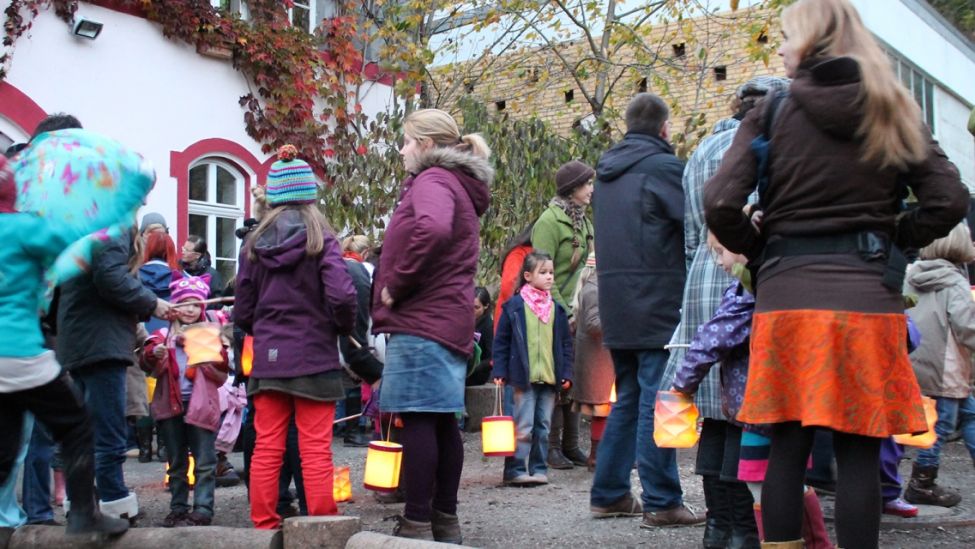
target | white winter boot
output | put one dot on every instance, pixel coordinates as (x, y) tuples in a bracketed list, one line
[(126, 508)]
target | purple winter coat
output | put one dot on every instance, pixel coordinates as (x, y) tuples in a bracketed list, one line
[(431, 249), (723, 339), (293, 305)]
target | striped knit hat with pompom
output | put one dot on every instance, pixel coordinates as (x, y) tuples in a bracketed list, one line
[(290, 181)]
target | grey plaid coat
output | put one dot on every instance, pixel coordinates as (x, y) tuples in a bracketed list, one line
[(706, 281)]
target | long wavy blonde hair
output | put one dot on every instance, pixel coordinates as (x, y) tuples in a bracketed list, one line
[(891, 129)]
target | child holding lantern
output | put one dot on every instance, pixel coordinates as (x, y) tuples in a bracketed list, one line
[(533, 353), (185, 402)]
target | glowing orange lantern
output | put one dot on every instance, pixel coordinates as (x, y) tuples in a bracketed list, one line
[(498, 431), (202, 344), (612, 393), (341, 484), (674, 420), (190, 473), (150, 387), (383, 462), (928, 438), (247, 355)]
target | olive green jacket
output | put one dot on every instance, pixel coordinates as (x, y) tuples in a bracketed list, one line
[(553, 235)]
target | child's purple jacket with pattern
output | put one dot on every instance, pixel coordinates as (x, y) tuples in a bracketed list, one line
[(722, 339)]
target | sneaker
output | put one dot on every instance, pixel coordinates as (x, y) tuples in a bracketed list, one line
[(173, 519), (524, 479), (900, 508), (225, 474), (678, 516), (627, 506), (539, 479), (198, 519), (557, 460)]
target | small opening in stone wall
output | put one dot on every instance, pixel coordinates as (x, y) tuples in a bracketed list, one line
[(720, 73), (680, 49), (642, 86), (569, 96), (500, 105), (469, 86), (762, 38)]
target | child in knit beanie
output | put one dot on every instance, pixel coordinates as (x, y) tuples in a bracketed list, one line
[(185, 402)]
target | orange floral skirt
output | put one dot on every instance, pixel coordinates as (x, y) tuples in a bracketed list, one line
[(846, 371)]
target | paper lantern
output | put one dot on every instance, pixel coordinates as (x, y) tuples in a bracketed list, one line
[(202, 344), (928, 438), (190, 473), (383, 462), (341, 484), (150, 387), (498, 436), (612, 393), (674, 420), (247, 355)]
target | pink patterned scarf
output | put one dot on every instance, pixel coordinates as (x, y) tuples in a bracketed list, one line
[(539, 301)]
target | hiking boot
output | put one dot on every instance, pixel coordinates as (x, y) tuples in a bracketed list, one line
[(173, 519), (446, 528), (406, 528), (922, 489), (576, 456), (224, 473), (557, 460), (627, 506), (198, 519), (678, 516)]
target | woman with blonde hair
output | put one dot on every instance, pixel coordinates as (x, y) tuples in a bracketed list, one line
[(425, 301), (829, 335)]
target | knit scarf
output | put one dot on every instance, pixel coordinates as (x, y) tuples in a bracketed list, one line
[(539, 301), (576, 212)]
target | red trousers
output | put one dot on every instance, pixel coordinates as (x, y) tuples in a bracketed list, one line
[(314, 419)]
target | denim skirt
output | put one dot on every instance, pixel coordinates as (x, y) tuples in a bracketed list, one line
[(421, 375)]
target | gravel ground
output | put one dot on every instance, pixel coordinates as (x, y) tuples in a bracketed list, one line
[(546, 516)]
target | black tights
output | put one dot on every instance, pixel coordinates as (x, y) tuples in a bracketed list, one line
[(433, 458), (858, 502)]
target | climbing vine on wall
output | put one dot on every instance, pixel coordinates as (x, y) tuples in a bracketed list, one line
[(303, 84)]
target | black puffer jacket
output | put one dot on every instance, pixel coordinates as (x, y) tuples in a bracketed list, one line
[(638, 210), (99, 310)]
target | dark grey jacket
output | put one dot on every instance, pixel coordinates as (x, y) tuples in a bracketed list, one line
[(98, 311), (638, 211)]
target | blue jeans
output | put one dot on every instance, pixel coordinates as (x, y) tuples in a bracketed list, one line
[(181, 439), (629, 435), (952, 412), (11, 515), (36, 491), (533, 419), (103, 386)]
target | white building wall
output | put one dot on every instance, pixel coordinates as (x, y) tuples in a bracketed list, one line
[(919, 35), (131, 83)]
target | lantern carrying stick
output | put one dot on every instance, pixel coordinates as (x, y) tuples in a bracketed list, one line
[(204, 302)]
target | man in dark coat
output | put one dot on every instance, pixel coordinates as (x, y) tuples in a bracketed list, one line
[(639, 226)]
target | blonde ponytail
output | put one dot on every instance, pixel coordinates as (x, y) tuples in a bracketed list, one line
[(441, 129), (476, 145)]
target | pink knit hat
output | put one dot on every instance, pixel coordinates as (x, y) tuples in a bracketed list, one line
[(189, 288)]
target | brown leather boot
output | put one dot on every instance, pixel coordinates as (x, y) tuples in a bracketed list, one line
[(591, 460), (446, 528)]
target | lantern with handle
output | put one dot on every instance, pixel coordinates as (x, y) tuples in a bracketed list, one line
[(498, 431), (674, 420), (202, 344), (612, 393), (190, 473), (383, 462), (341, 484), (928, 438)]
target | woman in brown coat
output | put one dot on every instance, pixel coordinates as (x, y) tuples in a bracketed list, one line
[(829, 334)]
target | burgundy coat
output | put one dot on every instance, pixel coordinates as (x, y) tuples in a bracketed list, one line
[(431, 249)]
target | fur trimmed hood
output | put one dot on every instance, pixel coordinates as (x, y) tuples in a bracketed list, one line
[(474, 172)]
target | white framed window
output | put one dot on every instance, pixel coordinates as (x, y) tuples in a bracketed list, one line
[(216, 210), (916, 82), (301, 15)]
